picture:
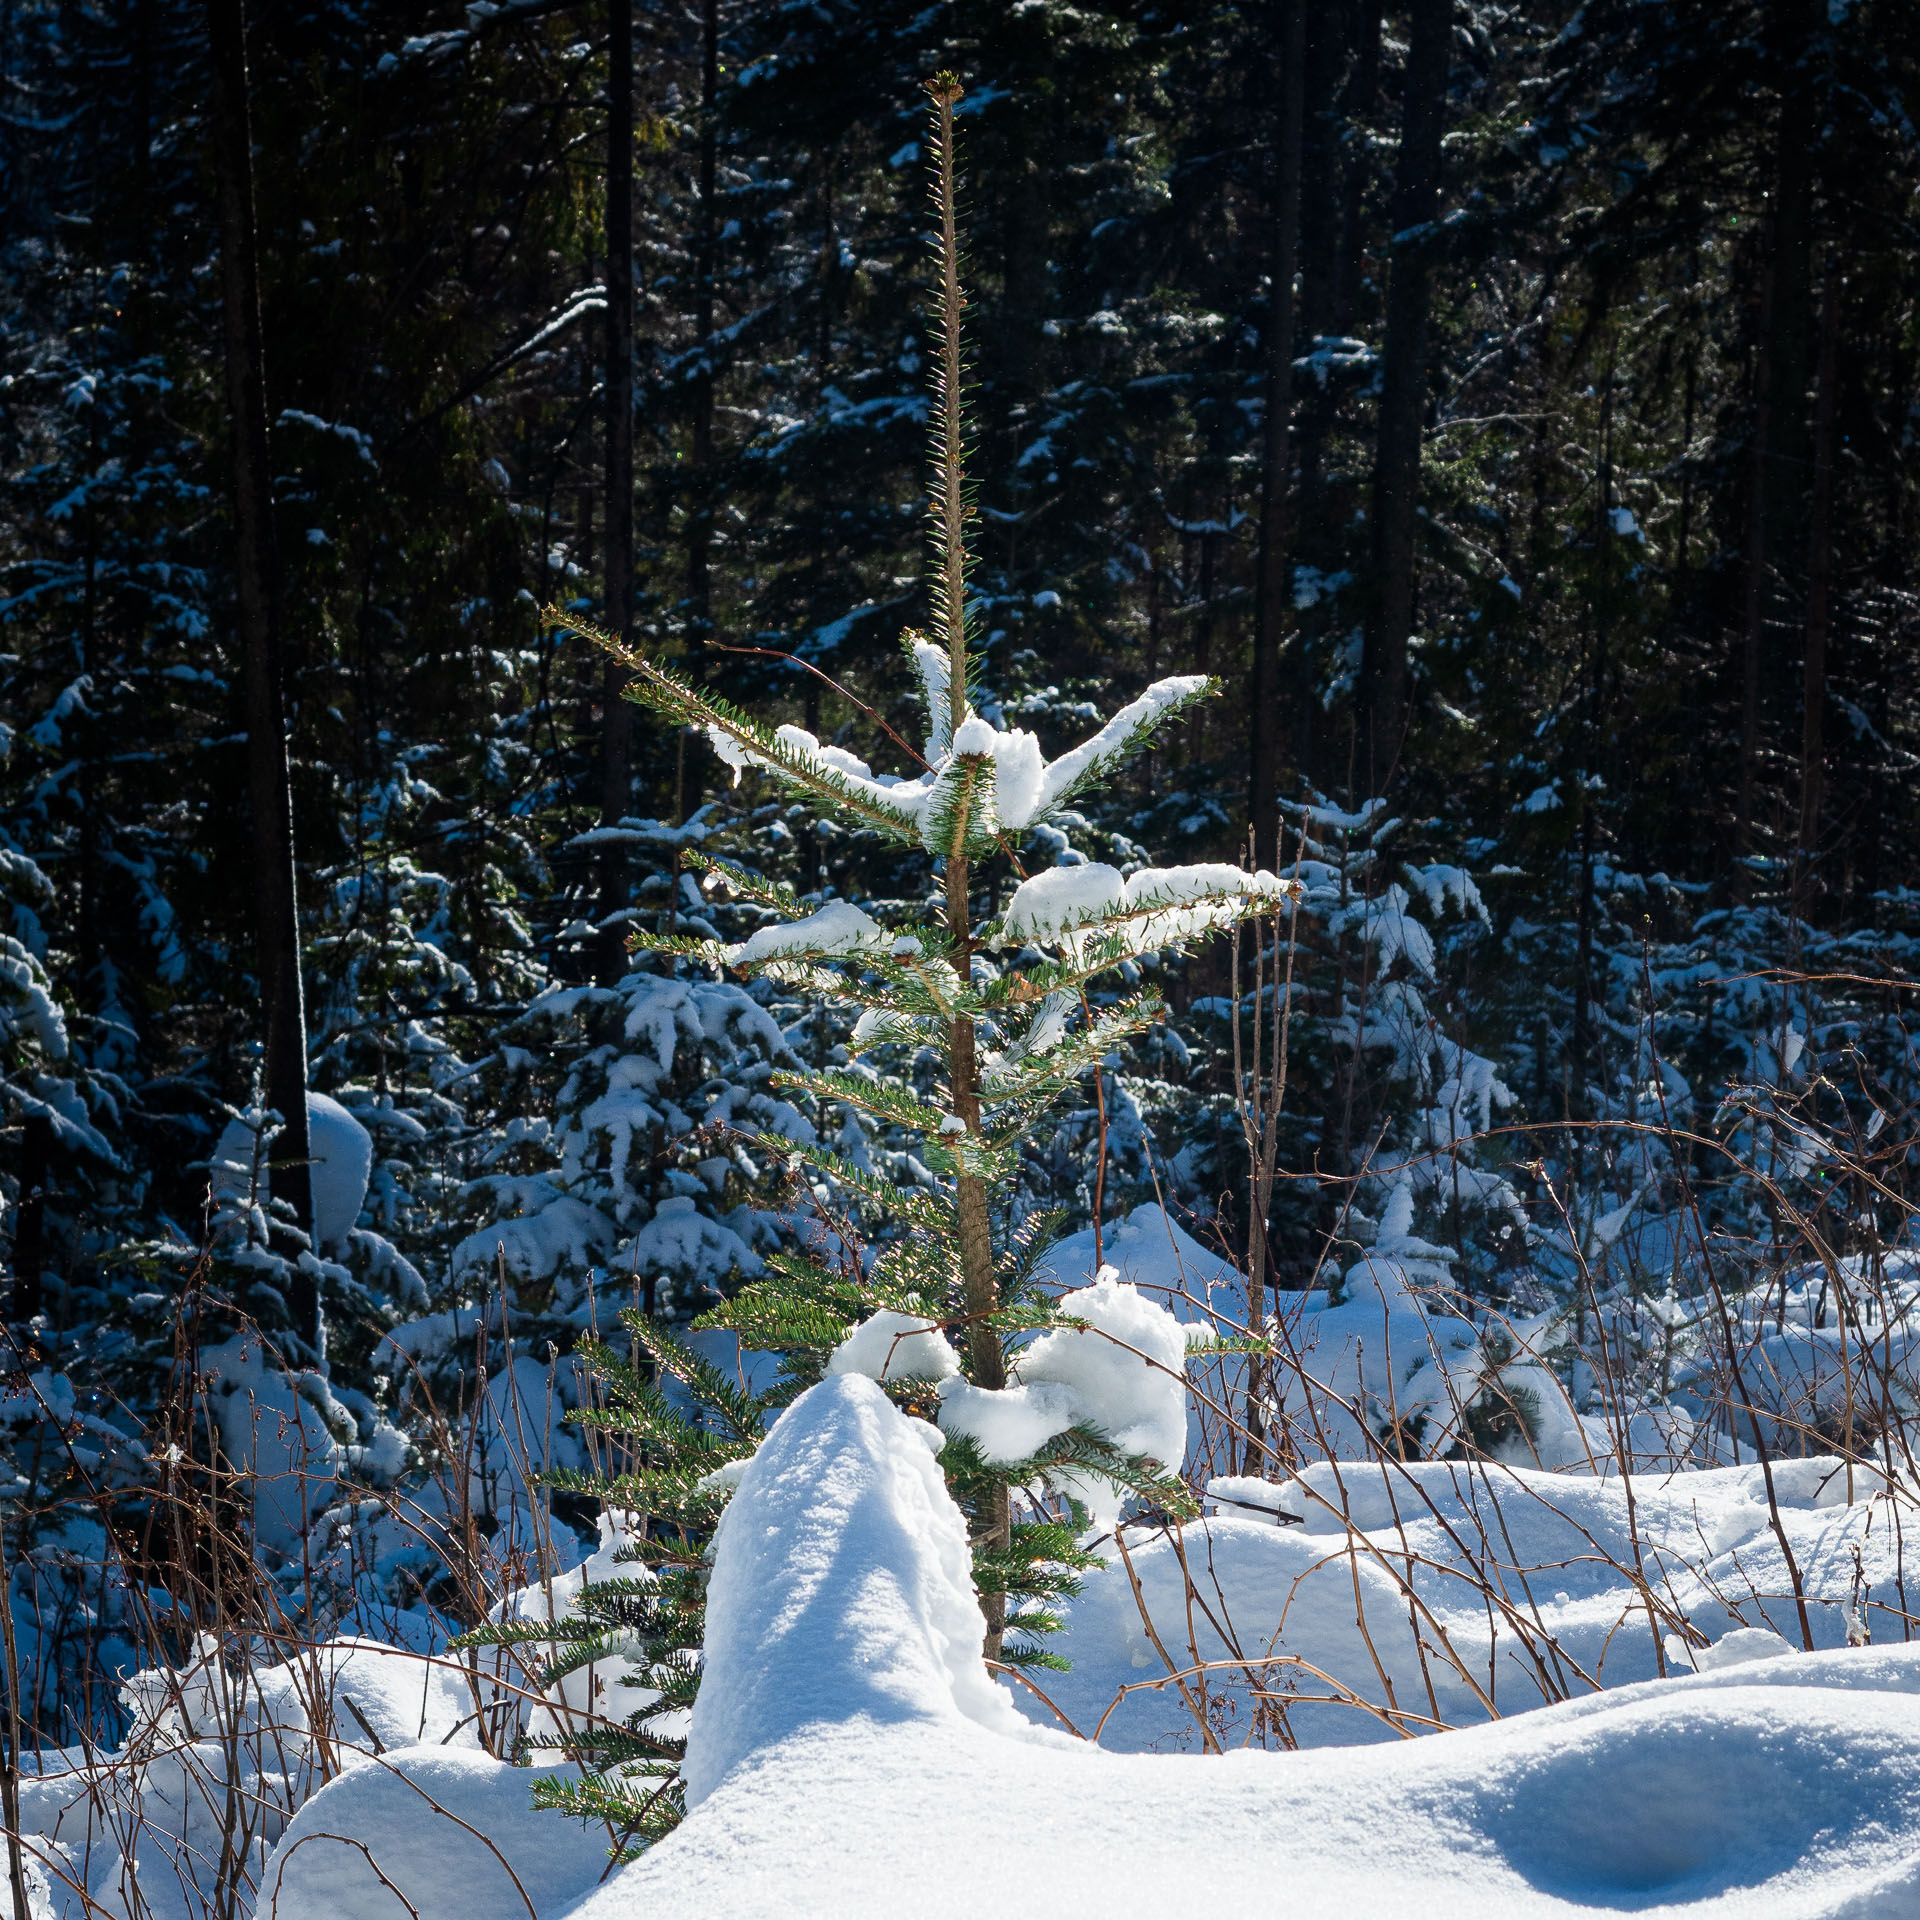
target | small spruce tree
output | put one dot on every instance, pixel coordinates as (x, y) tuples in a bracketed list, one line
[(1002, 1005)]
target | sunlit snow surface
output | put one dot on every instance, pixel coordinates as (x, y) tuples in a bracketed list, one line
[(849, 1758)]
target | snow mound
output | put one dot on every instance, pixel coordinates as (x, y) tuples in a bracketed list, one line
[(849, 1752), (1446, 1587), (341, 1164), (842, 1589), (454, 1834)]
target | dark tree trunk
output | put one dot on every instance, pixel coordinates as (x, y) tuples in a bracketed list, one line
[(1754, 585), (30, 1224), (270, 793), (1382, 716), (1819, 576), (1790, 344), (1273, 595), (1325, 54), (1362, 93), (700, 506), (1782, 456), (616, 764)]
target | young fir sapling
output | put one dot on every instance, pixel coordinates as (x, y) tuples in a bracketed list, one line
[(1000, 1004)]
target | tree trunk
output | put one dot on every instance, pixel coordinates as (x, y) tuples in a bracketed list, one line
[(1324, 56), (616, 717), (270, 793), (1819, 577), (1362, 92), (1790, 331), (30, 1223), (1382, 714), (700, 506), (979, 1289), (1753, 603), (1274, 596)]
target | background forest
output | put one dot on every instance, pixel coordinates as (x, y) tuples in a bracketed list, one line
[(1514, 406)]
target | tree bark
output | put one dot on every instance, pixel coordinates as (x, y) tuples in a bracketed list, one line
[(1358, 101), (30, 1222), (270, 793), (1753, 602), (980, 1292), (1324, 58), (700, 506), (1382, 706), (1274, 596), (1790, 343), (616, 719), (1819, 577)]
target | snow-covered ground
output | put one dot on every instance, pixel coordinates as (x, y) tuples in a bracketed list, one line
[(1420, 1687), (849, 1752), (1428, 1686)]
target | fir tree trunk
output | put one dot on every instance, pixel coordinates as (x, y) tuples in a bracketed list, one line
[(1382, 715), (616, 762), (1274, 595), (1790, 343), (1753, 605), (1361, 95), (980, 1293), (1327, 32), (274, 889)]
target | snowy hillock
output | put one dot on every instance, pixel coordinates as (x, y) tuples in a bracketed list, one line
[(1454, 1592), (1386, 1349), (847, 1748), (224, 1767)]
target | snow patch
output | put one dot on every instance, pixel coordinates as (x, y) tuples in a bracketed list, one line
[(842, 1588), (895, 1346)]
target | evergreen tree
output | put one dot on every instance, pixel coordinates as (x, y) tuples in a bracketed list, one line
[(995, 1003)]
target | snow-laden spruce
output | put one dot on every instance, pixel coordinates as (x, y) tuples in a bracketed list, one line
[(1052, 1410)]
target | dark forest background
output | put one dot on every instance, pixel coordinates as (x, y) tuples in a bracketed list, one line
[(1514, 406)]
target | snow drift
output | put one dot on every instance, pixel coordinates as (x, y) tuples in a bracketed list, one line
[(848, 1751)]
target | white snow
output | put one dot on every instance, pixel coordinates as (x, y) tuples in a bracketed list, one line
[(290, 1438), (341, 1152), (1124, 1376), (849, 1749), (1157, 906), (975, 740), (935, 670), (895, 1346), (455, 1832), (1114, 738), (839, 927), (842, 1588), (1006, 1423), (1127, 1375), (848, 1753), (340, 1162), (1387, 1352), (1026, 786)]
